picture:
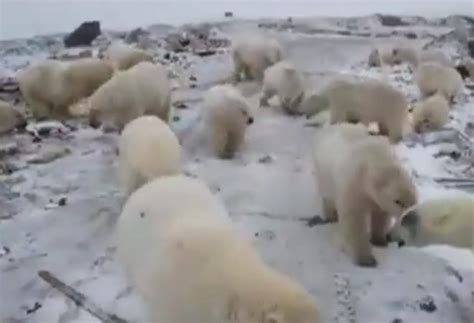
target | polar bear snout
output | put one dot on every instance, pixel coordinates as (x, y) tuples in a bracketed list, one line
[(250, 120)]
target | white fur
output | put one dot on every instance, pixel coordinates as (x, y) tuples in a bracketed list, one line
[(382, 56), (142, 89), (9, 118), (369, 101), (252, 54), (431, 114), (414, 57), (148, 149), (124, 56), (190, 264), (362, 184), (227, 114), (433, 77), (51, 86), (447, 221), (285, 81)]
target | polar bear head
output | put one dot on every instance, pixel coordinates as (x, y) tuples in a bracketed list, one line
[(393, 190)]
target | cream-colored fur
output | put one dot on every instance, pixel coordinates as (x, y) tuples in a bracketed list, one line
[(285, 81), (143, 89), (51, 86), (447, 221), (148, 149), (433, 77), (362, 185), (431, 114), (369, 101), (252, 54), (10, 118), (414, 57), (124, 56), (382, 56), (191, 264), (227, 114)]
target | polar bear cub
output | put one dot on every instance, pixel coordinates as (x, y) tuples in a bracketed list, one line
[(362, 185), (124, 56), (285, 81), (433, 77), (10, 118), (148, 149), (447, 221), (143, 89), (368, 101), (252, 54), (227, 114), (431, 114), (50, 87), (179, 248)]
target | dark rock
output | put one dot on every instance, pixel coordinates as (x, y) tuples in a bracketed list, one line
[(180, 105), (265, 159), (411, 35), (83, 35), (228, 14), (390, 20), (427, 304), (470, 46), (193, 78), (397, 320), (167, 56), (317, 220), (62, 201)]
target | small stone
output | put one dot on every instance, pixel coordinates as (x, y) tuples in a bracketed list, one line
[(167, 56), (192, 86), (427, 304), (397, 320), (62, 201), (265, 159), (228, 14), (176, 118), (192, 78)]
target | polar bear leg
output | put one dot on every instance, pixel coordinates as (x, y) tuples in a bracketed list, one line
[(355, 225), (40, 110), (329, 210), (379, 227), (266, 95)]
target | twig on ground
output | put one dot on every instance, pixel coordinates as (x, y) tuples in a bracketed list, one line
[(79, 299)]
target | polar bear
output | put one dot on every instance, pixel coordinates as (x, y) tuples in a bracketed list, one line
[(368, 101), (143, 89), (124, 56), (285, 81), (147, 149), (253, 54), (227, 114), (10, 118), (433, 77), (362, 185), (447, 221), (414, 57), (431, 114), (179, 248), (51, 86), (382, 56)]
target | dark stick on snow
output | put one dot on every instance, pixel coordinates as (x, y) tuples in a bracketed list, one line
[(79, 299)]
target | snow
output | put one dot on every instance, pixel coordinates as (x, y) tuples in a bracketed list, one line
[(268, 189)]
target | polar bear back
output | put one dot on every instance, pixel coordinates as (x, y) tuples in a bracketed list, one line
[(373, 100), (284, 79), (124, 56), (142, 89), (149, 147), (432, 77)]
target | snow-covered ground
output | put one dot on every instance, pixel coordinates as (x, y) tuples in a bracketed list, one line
[(268, 189)]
